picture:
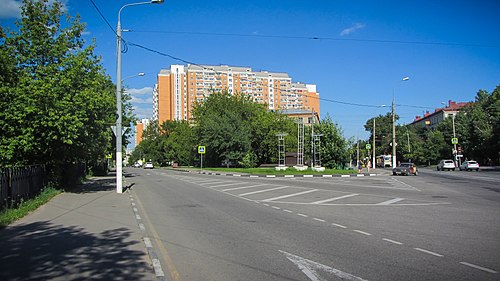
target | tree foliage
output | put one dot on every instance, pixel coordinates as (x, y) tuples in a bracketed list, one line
[(477, 128), (56, 101)]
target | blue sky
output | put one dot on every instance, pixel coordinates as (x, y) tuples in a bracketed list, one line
[(449, 49)]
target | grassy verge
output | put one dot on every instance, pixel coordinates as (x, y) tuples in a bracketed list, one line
[(10, 215), (272, 171)]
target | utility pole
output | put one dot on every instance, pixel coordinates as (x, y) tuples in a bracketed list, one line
[(393, 135), (373, 146)]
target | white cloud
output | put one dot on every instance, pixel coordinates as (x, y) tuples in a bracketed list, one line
[(10, 9), (142, 91), (351, 29), (136, 100), (143, 112)]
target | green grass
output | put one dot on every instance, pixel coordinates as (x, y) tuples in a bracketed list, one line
[(8, 216), (272, 171)]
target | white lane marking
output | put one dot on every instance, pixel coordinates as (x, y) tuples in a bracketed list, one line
[(148, 243), (308, 176), (392, 241), (288, 211), (478, 267), (405, 184), (157, 268), (135, 210), (289, 176), (243, 187), (133, 204), (345, 176), (137, 217), (267, 205), (317, 219), (388, 202), (334, 199), (311, 269), (277, 208), (289, 195), (141, 226), (362, 232), (262, 191), (221, 185), (339, 225), (428, 252), (207, 184), (302, 215)]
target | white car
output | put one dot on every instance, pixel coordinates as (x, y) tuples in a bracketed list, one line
[(469, 165), (446, 165), (148, 165)]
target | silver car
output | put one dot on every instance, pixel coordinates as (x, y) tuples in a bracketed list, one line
[(446, 165), (469, 166)]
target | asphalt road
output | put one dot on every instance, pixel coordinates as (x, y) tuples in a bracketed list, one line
[(435, 226)]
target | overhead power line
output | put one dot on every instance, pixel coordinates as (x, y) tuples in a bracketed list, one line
[(317, 38), (126, 44)]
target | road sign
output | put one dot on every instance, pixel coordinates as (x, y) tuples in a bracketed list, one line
[(368, 146), (454, 140), (201, 149)]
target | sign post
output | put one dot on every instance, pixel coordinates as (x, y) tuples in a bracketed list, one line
[(201, 151)]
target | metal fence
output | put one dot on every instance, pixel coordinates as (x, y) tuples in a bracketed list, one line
[(22, 183)]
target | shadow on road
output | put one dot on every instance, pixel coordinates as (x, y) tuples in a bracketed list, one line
[(44, 251)]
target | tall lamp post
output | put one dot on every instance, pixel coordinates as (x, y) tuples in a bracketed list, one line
[(455, 153), (119, 167), (394, 126)]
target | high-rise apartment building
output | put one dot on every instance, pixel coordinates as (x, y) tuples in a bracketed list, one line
[(180, 87), (140, 126)]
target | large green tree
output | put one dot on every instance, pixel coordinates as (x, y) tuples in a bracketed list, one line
[(334, 147), (58, 106)]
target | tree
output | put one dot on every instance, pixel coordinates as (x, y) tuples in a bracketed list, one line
[(223, 124), (334, 147), (383, 133), (58, 108)]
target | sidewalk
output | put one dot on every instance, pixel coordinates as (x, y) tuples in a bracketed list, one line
[(89, 233)]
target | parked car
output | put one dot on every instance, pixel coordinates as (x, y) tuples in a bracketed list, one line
[(405, 169), (469, 165), (446, 165), (136, 165), (148, 165)]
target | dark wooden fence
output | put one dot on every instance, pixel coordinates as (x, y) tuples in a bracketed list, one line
[(17, 184)]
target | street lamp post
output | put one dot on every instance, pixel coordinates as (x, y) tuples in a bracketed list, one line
[(119, 167), (455, 152), (394, 126)]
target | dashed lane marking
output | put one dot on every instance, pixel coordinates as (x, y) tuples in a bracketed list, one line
[(428, 252), (362, 232), (478, 267), (392, 241)]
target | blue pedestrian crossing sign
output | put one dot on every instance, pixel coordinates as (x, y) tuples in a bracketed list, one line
[(201, 149)]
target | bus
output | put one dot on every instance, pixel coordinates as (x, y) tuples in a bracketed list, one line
[(384, 161)]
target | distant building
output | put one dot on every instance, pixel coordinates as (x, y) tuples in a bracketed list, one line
[(180, 87), (140, 127), (431, 120)]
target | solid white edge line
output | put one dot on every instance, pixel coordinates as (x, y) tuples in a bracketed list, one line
[(392, 241), (428, 252), (478, 267)]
